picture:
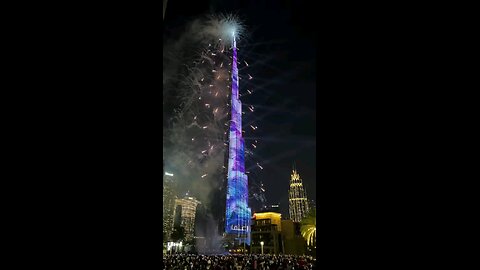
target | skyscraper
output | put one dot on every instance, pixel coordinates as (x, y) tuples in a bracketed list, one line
[(188, 208), (297, 198), (168, 204), (238, 214)]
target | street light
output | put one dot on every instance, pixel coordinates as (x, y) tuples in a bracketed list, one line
[(261, 245)]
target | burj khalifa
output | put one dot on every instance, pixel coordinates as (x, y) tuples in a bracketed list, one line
[(238, 214)]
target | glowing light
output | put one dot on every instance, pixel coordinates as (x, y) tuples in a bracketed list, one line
[(254, 146), (246, 63), (250, 92), (204, 127), (249, 77), (204, 175), (309, 234), (168, 174)]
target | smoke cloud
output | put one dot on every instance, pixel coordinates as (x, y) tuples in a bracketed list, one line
[(196, 86)]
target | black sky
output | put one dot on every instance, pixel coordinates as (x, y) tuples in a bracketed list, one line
[(286, 45)]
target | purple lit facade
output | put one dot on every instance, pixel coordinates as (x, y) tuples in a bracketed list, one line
[(238, 214)]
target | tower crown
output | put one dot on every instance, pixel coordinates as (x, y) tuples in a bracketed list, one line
[(295, 177)]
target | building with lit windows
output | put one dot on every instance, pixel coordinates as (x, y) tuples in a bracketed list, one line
[(185, 210), (168, 204), (266, 231), (297, 198)]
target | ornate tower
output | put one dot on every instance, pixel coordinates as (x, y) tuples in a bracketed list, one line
[(238, 214), (297, 197)]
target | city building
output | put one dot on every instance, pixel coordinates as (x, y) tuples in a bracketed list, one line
[(184, 215), (237, 213), (168, 205), (278, 236), (271, 208), (266, 233), (293, 242), (297, 198), (311, 205)]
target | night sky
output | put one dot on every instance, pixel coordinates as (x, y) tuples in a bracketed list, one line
[(285, 104)]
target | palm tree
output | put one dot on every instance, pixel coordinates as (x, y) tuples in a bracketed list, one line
[(309, 227)]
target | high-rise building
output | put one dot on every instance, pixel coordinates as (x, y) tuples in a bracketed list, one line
[(238, 214), (187, 208), (168, 204), (297, 198)]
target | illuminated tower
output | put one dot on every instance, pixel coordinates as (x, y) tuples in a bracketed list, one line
[(238, 214), (168, 204), (297, 198)]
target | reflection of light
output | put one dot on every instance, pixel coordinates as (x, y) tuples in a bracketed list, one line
[(169, 174)]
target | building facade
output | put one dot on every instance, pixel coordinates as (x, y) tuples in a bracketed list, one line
[(266, 228), (297, 198), (293, 242), (185, 210), (168, 205), (278, 236)]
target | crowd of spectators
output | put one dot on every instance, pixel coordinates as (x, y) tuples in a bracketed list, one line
[(237, 262)]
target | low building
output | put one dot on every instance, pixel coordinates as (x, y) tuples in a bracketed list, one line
[(266, 233), (293, 242)]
